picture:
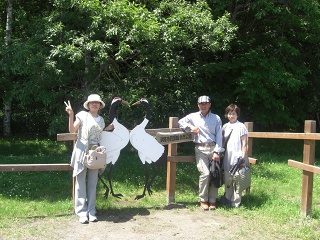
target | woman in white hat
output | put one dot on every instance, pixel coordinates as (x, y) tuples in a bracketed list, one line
[(89, 125)]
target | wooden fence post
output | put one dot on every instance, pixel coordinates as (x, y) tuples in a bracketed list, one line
[(249, 126), (171, 166), (307, 177)]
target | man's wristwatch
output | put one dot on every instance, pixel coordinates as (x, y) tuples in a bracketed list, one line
[(216, 152)]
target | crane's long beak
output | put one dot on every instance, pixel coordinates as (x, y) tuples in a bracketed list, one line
[(124, 102), (138, 102)]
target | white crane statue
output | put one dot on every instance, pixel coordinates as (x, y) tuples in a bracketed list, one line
[(149, 149), (114, 141)]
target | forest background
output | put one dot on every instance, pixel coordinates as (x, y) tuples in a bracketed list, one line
[(263, 55)]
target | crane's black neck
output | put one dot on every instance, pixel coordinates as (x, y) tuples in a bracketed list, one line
[(112, 110), (147, 109)]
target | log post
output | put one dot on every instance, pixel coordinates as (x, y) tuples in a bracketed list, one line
[(249, 126), (171, 166), (307, 177)]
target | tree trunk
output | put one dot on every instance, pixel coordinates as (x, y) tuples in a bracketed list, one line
[(87, 60), (6, 96), (7, 119)]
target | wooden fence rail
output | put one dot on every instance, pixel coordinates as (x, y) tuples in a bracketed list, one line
[(308, 160), (34, 167), (308, 169), (309, 136)]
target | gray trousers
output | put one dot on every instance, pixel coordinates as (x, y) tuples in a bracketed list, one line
[(230, 186), (207, 193), (230, 190), (85, 192)]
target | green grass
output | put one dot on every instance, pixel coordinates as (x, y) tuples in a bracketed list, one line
[(273, 204)]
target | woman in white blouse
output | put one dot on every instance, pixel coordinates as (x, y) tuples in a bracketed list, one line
[(237, 147), (90, 125)]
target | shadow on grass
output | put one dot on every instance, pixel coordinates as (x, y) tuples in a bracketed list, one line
[(252, 201), (54, 215), (178, 205), (249, 201)]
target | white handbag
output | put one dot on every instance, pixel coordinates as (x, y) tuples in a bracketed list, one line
[(242, 179), (96, 158)]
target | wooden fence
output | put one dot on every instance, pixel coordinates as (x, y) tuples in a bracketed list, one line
[(309, 136), (308, 169)]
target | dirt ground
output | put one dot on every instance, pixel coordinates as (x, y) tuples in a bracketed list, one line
[(177, 223), (164, 224), (144, 224)]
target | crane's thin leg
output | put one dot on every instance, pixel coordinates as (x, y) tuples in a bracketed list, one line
[(117, 195), (155, 171), (156, 167), (145, 184), (106, 194)]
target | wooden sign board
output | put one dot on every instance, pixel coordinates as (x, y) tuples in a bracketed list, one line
[(165, 138), (67, 136)]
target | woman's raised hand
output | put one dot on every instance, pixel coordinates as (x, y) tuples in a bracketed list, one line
[(68, 107)]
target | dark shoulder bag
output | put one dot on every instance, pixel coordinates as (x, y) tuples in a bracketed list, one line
[(216, 168)]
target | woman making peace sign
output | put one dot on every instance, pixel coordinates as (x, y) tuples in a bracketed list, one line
[(90, 125)]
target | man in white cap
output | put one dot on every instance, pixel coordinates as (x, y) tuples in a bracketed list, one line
[(208, 141)]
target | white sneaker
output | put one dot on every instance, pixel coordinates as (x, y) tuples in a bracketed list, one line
[(93, 218), (83, 220)]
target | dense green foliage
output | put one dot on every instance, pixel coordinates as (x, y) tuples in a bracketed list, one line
[(263, 55)]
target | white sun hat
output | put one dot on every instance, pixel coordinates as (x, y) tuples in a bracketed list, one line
[(93, 98)]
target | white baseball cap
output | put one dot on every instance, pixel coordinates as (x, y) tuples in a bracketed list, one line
[(203, 99)]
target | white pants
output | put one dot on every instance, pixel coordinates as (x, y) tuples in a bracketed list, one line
[(230, 190), (85, 193), (207, 193)]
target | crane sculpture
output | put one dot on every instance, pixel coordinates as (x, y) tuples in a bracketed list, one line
[(114, 141), (149, 149)]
